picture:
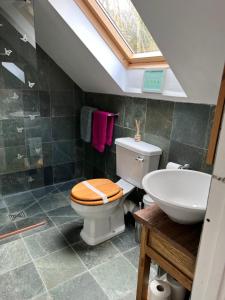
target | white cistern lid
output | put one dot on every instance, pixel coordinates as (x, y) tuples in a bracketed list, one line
[(139, 147)]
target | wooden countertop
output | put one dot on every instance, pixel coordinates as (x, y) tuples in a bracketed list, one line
[(184, 237)]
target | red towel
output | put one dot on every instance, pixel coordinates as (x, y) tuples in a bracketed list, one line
[(102, 130)]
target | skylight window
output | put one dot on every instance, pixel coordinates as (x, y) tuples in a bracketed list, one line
[(122, 28), (129, 24)]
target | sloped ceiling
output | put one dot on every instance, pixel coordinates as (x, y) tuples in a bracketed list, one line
[(66, 34), (67, 50), (191, 35)]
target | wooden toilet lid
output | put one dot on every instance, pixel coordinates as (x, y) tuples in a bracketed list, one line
[(91, 190), (98, 202), (96, 192)]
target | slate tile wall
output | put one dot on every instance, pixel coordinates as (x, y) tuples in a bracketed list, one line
[(39, 126), (181, 130)]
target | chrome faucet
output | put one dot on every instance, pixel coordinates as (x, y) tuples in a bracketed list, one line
[(185, 166)]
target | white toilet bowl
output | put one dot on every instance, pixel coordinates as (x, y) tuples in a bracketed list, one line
[(105, 221)]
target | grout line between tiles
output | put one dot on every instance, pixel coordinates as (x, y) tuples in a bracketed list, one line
[(62, 282), (114, 246), (35, 265), (108, 260), (67, 280), (57, 250), (59, 192), (131, 249), (145, 117), (47, 211), (70, 246), (122, 254), (105, 262), (50, 217), (105, 292), (17, 267), (173, 118), (39, 232), (129, 262), (101, 287), (49, 297), (207, 129)]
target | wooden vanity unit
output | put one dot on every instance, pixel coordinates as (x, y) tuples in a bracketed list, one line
[(171, 245)]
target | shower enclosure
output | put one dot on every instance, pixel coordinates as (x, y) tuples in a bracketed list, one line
[(19, 149), (28, 167)]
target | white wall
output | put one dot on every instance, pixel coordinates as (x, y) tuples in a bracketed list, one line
[(209, 278)]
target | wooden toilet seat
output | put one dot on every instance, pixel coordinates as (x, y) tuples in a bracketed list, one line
[(95, 192)]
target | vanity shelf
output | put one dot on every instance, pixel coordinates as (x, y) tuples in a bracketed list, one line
[(171, 245)]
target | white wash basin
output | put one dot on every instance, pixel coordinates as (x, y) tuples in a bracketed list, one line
[(181, 194)]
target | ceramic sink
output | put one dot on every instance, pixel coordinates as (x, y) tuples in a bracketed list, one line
[(181, 194)]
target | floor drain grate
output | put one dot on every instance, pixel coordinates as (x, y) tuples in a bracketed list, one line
[(18, 215)]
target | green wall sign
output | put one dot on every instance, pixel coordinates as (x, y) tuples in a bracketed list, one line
[(153, 81)]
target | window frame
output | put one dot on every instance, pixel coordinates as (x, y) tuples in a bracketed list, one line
[(112, 37)]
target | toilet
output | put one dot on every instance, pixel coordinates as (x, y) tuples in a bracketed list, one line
[(100, 201)]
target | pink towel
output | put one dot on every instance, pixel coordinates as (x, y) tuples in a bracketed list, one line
[(102, 130)]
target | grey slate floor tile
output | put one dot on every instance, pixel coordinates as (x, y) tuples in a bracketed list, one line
[(27, 282), (2, 204), (71, 231), (59, 266), (83, 287), (126, 240), (4, 216), (7, 292), (13, 255), (67, 186), (45, 242), (63, 215), (53, 200), (67, 195), (44, 296), (20, 198), (117, 277), (43, 192), (133, 256), (129, 296), (95, 255), (21, 284)]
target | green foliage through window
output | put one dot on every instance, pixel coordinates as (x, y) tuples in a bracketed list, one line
[(129, 24)]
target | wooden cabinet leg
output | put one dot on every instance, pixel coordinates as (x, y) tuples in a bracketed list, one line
[(144, 268)]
